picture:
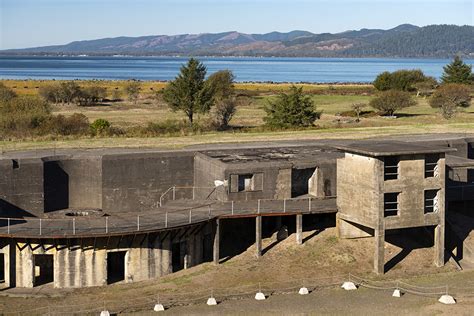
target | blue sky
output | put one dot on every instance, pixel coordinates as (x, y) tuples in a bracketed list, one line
[(28, 23)]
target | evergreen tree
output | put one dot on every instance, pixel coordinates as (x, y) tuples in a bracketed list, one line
[(457, 72), (188, 92), (291, 110)]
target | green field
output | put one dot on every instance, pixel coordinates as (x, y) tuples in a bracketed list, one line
[(334, 102)]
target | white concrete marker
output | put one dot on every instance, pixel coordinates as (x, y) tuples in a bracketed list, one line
[(447, 299), (104, 313), (159, 308), (211, 301), (303, 291), (349, 286), (260, 296), (397, 293)]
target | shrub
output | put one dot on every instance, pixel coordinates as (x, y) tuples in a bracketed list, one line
[(132, 89), (449, 97), (223, 112), (388, 102), (70, 91), (294, 109), (403, 80), (91, 95), (76, 124), (6, 94), (23, 114), (100, 127), (357, 108)]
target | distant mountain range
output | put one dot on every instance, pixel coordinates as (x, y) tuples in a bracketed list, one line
[(405, 40)]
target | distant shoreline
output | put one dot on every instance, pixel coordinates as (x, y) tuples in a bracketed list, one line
[(91, 55)]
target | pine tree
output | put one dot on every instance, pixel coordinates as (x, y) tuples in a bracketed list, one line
[(457, 72), (189, 92)]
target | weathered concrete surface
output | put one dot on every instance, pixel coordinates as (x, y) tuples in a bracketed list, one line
[(361, 190), (83, 263), (21, 187), (135, 182)]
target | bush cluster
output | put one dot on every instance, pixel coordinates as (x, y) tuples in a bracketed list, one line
[(70, 92), (402, 80)]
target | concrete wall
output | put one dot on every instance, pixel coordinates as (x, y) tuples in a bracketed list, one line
[(411, 185), (276, 181), (136, 181), (85, 182), (361, 189), (206, 171), (358, 190), (21, 187), (82, 263)]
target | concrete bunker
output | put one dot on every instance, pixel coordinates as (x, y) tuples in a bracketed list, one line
[(44, 269)]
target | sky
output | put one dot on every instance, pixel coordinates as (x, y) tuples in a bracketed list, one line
[(31, 23)]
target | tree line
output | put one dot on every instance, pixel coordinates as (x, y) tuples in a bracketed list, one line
[(451, 94)]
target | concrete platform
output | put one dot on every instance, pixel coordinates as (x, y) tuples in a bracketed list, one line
[(174, 214)]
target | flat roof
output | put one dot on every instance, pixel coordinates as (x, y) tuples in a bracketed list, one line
[(459, 162), (295, 155), (391, 148)]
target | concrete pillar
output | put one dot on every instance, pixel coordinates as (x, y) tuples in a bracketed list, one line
[(439, 245), (217, 237), (7, 264), (379, 257), (258, 235), (299, 229), (166, 264)]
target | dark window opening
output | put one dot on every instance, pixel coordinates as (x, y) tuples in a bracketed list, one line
[(431, 201), (44, 271), (431, 166), (115, 266), (178, 255), (250, 182), (390, 204), (15, 164), (391, 168), (300, 181), (327, 188), (2, 268)]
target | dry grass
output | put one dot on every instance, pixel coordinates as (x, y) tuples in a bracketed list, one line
[(417, 119), (320, 257)]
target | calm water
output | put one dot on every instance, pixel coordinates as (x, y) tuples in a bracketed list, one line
[(245, 69)]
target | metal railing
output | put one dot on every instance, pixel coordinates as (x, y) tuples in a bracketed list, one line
[(193, 193), (164, 218)]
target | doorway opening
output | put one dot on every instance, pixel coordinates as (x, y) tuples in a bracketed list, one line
[(115, 266), (178, 255), (44, 271)]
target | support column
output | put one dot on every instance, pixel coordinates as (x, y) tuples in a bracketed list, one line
[(299, 229), (258, 235), (216, 247), (379, 258), (439, 245)]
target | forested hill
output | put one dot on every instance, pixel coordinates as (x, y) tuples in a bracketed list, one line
[(402, 41)]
